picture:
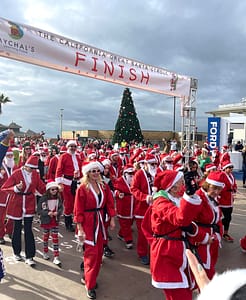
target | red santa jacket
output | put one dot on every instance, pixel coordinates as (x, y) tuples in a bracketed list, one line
[(51, 173), (140, 189), (23, 204), (226, 198), (125, 205), (66, 167), (90, 211), (208, 220), (224, 157), (4, 197), (168, 262)]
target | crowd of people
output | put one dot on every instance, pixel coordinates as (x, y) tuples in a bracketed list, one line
[(178, 200)]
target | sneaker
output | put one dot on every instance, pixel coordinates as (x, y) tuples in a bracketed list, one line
[(228, 238), (17, 257), (144, 260), (91, 294), (30, 262), (107, 252), (46, 256), (82, 280), (56, 261), (120, 238), (129, 245), (2, 241)]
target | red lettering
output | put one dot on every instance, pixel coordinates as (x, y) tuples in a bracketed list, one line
[(79, 58), (94, 69), (121, 71), (133, 73), (107, 68), (145, 77)]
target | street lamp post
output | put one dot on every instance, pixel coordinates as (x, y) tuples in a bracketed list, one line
[(174, 116), (61, 119)]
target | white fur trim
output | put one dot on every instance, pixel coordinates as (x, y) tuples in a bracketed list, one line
[(71, 142), (228, 165), (51, 184), (92, 165), (176, 179), (194, 199), (222, 286), (214, 182)]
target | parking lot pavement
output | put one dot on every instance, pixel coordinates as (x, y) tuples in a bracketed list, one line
[(121, 278)]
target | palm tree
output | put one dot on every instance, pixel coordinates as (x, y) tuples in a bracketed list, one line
[(3, 100)]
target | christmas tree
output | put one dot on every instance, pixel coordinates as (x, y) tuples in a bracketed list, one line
[(127, 127)]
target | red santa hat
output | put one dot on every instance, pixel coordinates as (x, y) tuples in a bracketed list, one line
[(225, 285), (226, 164), (140, 158), (204, 149), (70, 143), (209, 167), (150, 158), (88, 166), (113, 153), (156, 146), (128, 168), (51, 184), (166, 180), (9, 151), (105, 162), (168, 159), (91, 154), (63, 149), (225, 147), (32, 162), (216, 178)]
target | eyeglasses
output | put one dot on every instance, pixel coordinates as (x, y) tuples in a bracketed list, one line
[(53, 189), (153, 164), (94, 171), (73, 146), (28, 148)]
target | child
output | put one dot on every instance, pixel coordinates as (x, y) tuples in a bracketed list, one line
[(50, 209)]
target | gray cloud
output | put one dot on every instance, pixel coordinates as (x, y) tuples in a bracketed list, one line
[(202, 39)]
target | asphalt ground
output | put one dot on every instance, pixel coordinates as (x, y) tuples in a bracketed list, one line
[(121, 278)]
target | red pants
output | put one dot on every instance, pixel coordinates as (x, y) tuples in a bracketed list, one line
[(92, 262), (126, 228), (5, 227), (178, 294), (142, 243), (68, 200)]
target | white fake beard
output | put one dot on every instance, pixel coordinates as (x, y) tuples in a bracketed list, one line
[(169, 166), (128, 178), (10, 163), (152, 170)]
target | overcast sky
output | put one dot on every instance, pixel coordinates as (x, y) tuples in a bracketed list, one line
[(201, 39)]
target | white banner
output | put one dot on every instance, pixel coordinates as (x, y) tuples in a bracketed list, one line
[(46, 49)]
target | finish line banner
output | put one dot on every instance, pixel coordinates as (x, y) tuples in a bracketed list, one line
[(46, 49)]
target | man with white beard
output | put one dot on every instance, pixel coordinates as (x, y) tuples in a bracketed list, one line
[(8, 166), (125, 205), (142, 190)]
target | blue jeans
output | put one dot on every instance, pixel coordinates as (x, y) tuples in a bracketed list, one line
[(244, 173)]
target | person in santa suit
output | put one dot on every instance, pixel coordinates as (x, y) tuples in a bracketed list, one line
[(125, 205), (8, 166), (141, 189), (226, 199), (116, 165), (224, 156), (68, 172), (23, 184), (25, 154), (164, 226), (123, 156), (92, 198)]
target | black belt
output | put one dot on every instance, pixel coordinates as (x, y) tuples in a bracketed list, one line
[(94, 209), (170, 238), (21, 193), (214, 226), (68, 177)]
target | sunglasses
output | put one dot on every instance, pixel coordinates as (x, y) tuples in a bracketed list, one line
[(231, 167), (94, 171), (153, 164), (53, 189), (28, 148), (130, 173), (73, 146)]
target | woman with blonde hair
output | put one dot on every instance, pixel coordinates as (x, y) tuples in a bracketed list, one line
[(92, 198)]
